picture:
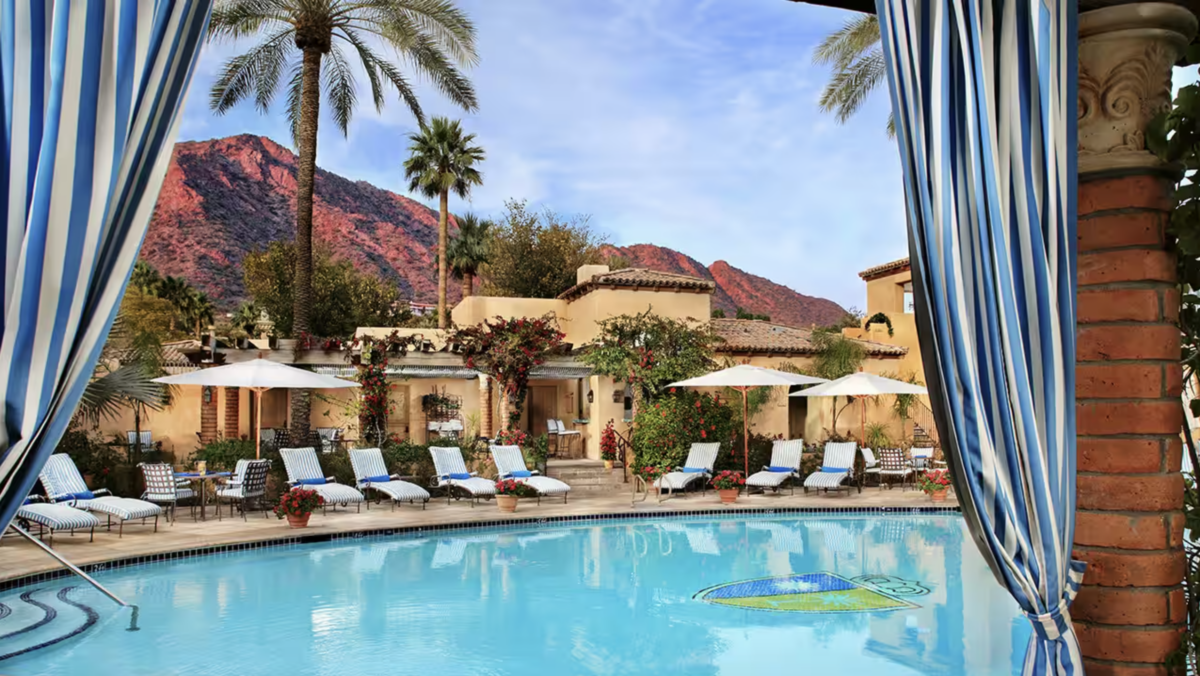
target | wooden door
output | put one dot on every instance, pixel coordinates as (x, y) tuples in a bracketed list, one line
[(543, 405)]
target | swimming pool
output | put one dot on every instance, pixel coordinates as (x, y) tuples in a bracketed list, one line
[(728, 596)]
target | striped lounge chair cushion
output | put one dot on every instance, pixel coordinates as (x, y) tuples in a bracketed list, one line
[(336, 494), (783, 454), (57, 517), (509, 459), (838, 456), (368, 462), (60, 477), (701, 456), (302, 464), (123, 509), (447, 460)]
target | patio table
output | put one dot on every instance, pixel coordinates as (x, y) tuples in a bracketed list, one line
[(196, 476)]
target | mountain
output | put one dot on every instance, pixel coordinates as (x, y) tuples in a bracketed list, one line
[(737, 288), (224, 198)]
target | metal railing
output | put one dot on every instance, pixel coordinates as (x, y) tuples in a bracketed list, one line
[(922, 417), (133, 617)]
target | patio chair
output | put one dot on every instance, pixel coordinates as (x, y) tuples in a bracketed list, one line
[(267, 435), (304, 470), (51, 517), (510, 464), (247, 485), (698, 466), (452, 475), (371, 474), (567, 435), (922, 458), (870, 465), (63, 484), (785, 465), (894, 465), (329, 438), (146, 437), (837, 468), (163, 489)]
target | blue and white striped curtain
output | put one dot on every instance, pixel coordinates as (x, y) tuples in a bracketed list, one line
[(983, 93), (92, 95)]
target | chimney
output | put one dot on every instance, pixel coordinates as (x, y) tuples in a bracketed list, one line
[(586, 272)]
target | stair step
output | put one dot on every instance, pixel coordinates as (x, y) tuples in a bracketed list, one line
[(39, 618)]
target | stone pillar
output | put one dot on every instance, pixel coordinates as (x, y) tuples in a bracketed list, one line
[(208, 414), (1130, 612), (233, 409), (485, 406)]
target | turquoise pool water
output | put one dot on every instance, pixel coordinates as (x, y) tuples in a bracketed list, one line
[(870, 594)]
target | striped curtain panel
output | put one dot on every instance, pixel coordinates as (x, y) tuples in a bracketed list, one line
[(983, 93), (92, 94)]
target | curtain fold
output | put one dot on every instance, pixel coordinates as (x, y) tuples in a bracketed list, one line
[(983, 93), (92, 94)]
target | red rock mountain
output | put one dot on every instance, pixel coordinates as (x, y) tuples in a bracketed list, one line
[(227, 197), (738, 288)]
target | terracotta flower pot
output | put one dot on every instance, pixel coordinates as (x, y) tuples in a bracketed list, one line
[(298, 521), (608, 464), (728, 495), (938, 496), (507, 503)]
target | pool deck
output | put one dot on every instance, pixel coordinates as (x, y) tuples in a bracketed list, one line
[(19, 558)]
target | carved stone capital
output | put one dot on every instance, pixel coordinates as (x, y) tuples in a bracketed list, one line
[(1126, 54)]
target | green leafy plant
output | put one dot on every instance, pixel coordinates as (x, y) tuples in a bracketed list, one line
[(536, 255), (877, 436), (508, 349), (879, 318), (664, 431), (537, 451), (223, 454), (298, 502)]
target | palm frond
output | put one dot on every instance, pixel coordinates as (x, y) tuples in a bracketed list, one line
[(235, 19), (369, 62), (849, 87), (241, 74), (850, 42), (397, 21), (295, 89), (434, 66), (105, 397), (340, 88)]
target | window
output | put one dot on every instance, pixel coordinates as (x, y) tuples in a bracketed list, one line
[(908, 298)]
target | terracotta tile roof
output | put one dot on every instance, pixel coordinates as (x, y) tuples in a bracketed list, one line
[(744, 335), (887, 268), (638, 278)]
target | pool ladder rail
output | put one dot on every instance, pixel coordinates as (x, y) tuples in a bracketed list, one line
[(133, 614)]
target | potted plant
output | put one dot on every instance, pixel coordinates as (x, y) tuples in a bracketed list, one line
[(297, 505), (935, 483), (728, 485), (608, 445), (508, 492)]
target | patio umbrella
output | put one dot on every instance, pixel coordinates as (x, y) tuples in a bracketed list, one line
[(861, 385), (741, 378), (258, 375)]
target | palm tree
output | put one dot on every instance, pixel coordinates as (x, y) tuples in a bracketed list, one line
[(308, 41), (176, 291), (145, 278), (469, 251), (246, 318), (858, 67), (442, 159), (198, 309)]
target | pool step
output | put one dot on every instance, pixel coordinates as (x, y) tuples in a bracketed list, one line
[(587, 476), (39, 618)]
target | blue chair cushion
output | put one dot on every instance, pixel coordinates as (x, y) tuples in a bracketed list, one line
[(82, 495), (312, 482), (460, 476), (693, 470), (781, 470), (835, 470), (28, 501), (521, 474), (383, 479)]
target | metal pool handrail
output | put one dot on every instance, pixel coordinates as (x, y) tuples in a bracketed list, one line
[(133, 618)]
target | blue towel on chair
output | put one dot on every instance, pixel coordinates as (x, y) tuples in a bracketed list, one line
[(382, 479), (693, 470), (521, 474), (835, 470), (81, 495), (459, 476), (780, 470), (312, 482)]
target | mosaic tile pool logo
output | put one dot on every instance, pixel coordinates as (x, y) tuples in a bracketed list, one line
[(816, 593)]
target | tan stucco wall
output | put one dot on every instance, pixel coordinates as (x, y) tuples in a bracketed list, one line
[(474, 309)]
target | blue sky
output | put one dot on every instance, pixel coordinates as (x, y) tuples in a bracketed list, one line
[(691, 124)]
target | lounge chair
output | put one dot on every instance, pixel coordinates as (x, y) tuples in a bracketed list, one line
[(870, 465), (510, 464), (248, 484), (452, 474), (699, 465), (146, 439), (51, 517), (63, 484), (371, 474), (163, 489), (893, 465), (836, 468), (785, 465), (303, 469)]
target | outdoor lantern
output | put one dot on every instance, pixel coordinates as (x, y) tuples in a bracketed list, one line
[(208, 395), (591, 397)]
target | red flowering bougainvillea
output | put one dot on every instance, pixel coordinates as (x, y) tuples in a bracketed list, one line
[(298, 502), (728, 480), (664, 431), (935, 480), (512, 437), (608, 442), (508, 350), (513, 487)]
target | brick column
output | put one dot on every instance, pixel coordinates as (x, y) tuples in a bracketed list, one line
[(485, 406), (208, 414), (1130, 612), (233, 409)]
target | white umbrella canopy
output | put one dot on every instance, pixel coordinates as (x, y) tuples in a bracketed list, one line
[(743, 377), (861, 385), (258, 375)]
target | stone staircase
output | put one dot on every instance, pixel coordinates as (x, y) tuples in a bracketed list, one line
[(587, 476), (38, 618)]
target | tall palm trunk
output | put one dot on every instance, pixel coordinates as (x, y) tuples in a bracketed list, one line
[(443, 236), (468, 285), (310, 109)]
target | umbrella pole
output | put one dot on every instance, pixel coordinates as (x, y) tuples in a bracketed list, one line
[(745, 430), (258, 423)]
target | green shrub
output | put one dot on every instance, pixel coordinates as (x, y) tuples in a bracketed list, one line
[(222, 455), (106, 464), (760, 454), (663, 432), (406, 458)]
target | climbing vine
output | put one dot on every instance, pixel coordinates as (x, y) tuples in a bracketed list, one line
[(879, 318), (508, 350)]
